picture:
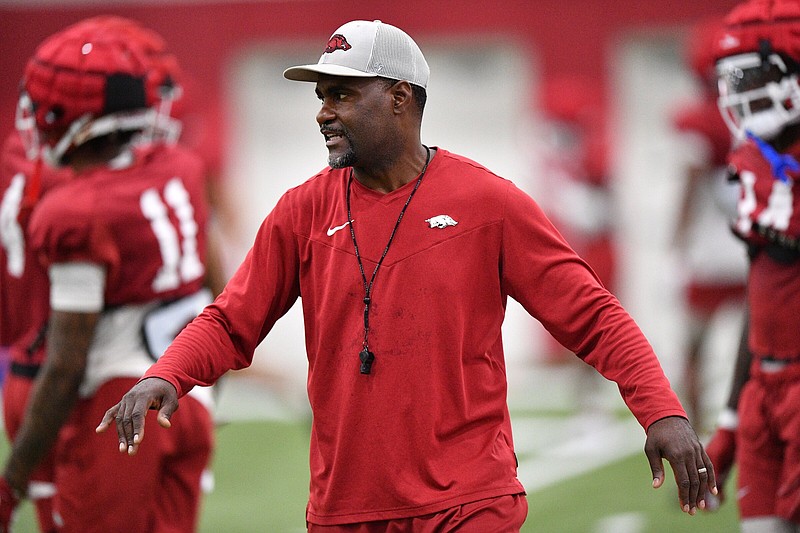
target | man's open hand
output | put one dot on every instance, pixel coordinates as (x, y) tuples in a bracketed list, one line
[(673, 439), (130, 412)]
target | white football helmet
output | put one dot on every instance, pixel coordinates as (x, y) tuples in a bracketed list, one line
[(757, 53), (757, 93)]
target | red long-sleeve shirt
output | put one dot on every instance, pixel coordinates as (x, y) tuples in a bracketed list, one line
[(429, 428)]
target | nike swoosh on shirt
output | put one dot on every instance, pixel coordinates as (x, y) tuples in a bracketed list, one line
[(334, 229)]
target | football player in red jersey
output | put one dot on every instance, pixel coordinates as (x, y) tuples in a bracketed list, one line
[(403, 257), (758, 64), (24, 300), (124, 244), (713, 261)]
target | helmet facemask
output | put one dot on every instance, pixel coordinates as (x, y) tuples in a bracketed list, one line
[(757, 94), (88, 128), (166, 128), (25, 124), (152, 124)]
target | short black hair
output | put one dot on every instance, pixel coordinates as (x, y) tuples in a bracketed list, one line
[(420, 96)]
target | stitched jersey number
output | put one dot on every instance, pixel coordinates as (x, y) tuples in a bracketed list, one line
[(11, 235), (776, 214), (180, 261)]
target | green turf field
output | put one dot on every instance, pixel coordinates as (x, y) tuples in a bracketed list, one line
[(262, 478)]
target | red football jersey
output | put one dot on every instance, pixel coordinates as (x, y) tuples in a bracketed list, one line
[(768, 209), (143, 221), (24, 287), (768, 212)]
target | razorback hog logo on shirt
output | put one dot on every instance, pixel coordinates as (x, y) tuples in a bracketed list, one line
[(441, 221), (337, 42)]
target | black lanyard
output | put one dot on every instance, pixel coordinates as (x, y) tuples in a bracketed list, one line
[(366, 356)]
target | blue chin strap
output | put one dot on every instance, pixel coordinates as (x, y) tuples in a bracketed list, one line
[(780, 163)]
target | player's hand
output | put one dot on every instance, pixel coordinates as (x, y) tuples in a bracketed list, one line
[(8, 504), (673, 439), (129, 414), (721, 449)]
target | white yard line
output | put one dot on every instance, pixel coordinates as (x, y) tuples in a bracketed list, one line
[(577, 446), (621, 523)]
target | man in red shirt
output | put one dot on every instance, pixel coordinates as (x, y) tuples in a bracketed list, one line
[(403, 256)]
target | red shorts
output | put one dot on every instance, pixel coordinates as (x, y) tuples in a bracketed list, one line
[(768, 445), (157, 490), (504, 514), (16, 390)]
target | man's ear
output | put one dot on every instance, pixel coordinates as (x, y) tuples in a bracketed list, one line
[(402, 96)]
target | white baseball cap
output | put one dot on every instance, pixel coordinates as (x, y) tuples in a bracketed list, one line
[(367, 49)]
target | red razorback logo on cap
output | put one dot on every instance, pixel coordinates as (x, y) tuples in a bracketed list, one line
[(337, 42)]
